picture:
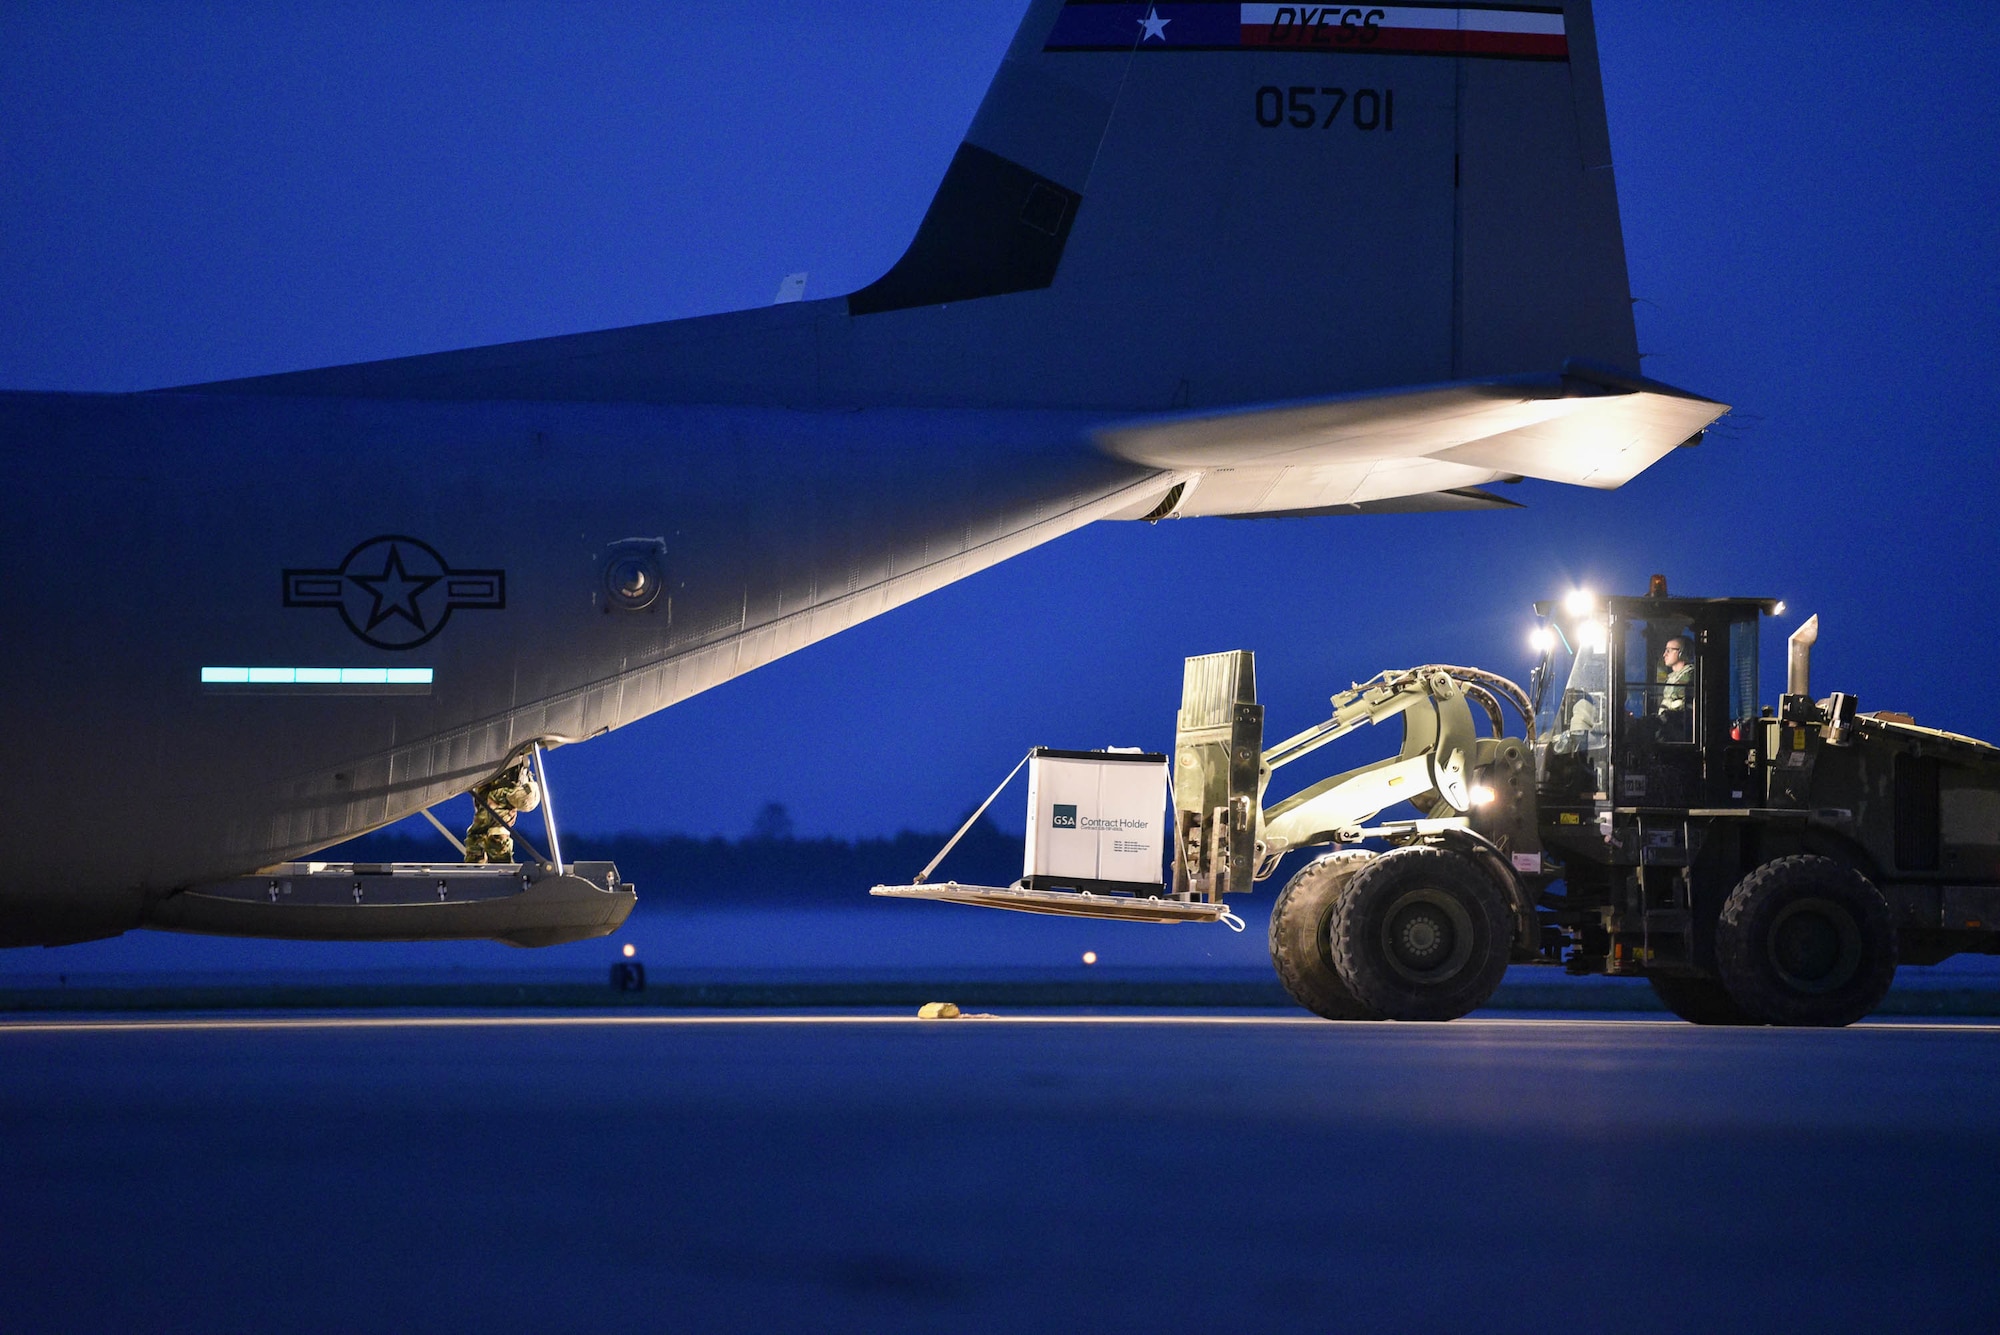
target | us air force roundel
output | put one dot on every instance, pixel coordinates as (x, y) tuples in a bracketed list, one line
[(396, 592)]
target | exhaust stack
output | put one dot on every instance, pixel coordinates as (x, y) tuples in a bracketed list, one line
[(1798, 658)]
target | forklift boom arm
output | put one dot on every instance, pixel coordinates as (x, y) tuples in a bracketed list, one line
[(1435, 757)]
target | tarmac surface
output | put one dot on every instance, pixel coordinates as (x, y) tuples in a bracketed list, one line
[(774, 1172)]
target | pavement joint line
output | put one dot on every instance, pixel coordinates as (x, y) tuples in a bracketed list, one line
[(610, 1021), (309, 1023)]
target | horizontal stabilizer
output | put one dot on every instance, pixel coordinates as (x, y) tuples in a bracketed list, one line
[(1424, 448)]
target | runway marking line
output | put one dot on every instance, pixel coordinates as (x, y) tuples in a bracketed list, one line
[(308, 1023)]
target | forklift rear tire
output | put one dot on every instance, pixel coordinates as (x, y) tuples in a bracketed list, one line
[(1806, 941), (1422, 933), (1699, 1000), (1300, 946)]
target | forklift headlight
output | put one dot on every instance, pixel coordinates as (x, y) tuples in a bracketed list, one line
[(1542, 640), (1579, 602)]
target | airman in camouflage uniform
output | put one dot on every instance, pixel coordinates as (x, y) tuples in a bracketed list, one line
[(495, 805), (1677, 670)]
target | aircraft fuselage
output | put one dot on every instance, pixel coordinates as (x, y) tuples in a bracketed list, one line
[(464, 550)]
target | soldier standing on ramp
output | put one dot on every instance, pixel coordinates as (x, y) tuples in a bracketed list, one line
[(495, 804)]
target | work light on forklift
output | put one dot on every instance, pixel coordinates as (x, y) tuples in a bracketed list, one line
[(1542, 640), (1579, 602)]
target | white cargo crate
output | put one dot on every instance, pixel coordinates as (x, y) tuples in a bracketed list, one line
[(1096, 820)]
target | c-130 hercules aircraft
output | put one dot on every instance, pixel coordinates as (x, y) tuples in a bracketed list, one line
[(1191, 259)]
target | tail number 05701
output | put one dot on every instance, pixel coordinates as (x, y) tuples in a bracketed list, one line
[(1302, 107)]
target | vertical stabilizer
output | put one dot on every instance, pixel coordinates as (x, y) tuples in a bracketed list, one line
[(1184, 206), (1233, 202)]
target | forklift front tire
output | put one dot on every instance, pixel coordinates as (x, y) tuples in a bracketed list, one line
[(1422, 933), (1300, 946)]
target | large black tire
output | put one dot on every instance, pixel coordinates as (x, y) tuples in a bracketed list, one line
[(1699, 1000), (1299, 943), (1806, 941), (1422, 933)]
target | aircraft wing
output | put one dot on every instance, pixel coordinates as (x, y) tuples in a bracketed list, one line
[(1428, 447)]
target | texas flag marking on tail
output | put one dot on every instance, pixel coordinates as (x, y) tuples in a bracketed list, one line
[(1525, 32)]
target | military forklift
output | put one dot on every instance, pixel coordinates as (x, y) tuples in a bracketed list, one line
[(1755, 864)]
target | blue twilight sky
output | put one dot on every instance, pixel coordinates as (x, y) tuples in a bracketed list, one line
[(194, 191)]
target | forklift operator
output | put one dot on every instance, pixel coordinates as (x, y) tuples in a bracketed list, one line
[(1679, 669)]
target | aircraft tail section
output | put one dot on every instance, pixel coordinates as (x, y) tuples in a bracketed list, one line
[(1184, 206), (1230, 202)]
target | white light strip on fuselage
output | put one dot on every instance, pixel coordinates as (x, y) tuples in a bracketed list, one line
[(315, 676)]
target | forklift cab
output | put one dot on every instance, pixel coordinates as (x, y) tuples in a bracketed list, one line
[(1647, 702)]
